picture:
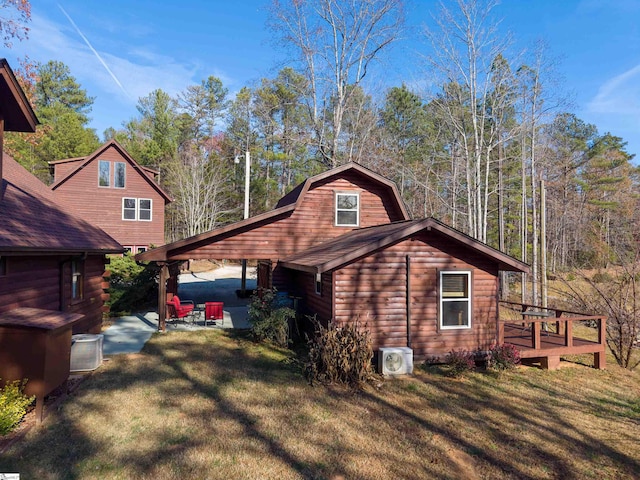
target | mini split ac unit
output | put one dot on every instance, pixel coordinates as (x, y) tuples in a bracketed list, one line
[(395, 361), (86, 352)]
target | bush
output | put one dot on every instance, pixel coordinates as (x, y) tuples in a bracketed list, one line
[(339, 354), (461, 362), (269, 322), (13, 405), (503, 357), (601, 277), (131, 286)]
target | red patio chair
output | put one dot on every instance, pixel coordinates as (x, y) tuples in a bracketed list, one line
[(180, 309)]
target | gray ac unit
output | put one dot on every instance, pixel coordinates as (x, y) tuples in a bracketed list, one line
[(395, 361), (86, 352)]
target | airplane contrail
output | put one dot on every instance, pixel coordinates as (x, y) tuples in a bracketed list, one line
[(86, 40)]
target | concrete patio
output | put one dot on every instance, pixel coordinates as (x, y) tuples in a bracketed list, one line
[(129, 334)]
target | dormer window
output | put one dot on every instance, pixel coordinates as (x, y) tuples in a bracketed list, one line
[(347, 209)]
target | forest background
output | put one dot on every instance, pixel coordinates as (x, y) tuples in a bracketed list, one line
[(491, 147)]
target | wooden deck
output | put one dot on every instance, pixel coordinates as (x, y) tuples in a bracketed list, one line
[(548, 334)]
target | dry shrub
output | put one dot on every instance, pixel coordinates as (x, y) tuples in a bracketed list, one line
[(339, 354), (461, 362)]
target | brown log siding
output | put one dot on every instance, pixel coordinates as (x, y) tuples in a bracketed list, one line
[(34, 281), (311, 223), (374, 290)]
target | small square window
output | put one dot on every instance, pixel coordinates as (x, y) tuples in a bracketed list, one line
[(142, 249), (104, 173), (129, 208), (347, 211), (119, 171)]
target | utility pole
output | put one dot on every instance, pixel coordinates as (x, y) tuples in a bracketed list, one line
[(247, 175)]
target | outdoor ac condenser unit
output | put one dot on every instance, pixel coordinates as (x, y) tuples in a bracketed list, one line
[(395, 361), (86, 352)]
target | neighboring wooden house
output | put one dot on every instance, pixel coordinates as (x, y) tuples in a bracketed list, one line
[(111, 191), (50, 259), (342, 241)]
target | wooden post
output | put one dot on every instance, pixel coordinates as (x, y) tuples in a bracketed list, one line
[(559, 323), (568, 334), (536, 335), (162, 298)]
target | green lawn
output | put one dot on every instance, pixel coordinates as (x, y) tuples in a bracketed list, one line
[(209, 405)]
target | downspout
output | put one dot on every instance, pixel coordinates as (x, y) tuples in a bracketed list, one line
[(408, 299)]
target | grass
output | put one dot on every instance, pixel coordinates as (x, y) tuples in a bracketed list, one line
[(215, 405)]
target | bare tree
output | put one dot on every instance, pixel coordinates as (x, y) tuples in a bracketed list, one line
[(616, 293), (335, 43), (199, 184), (469, 57)]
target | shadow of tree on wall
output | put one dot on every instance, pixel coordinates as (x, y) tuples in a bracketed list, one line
[(215, 405)]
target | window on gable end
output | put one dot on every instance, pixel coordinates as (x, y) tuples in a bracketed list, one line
[(129, 208), (347, 209), (104, 173), (119, 172), (144, 209)]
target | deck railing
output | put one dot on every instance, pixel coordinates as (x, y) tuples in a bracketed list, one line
[(562, 323)]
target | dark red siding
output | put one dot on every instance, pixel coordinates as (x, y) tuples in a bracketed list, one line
[(102, 206)]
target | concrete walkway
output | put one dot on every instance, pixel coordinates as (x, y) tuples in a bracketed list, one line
[(129, 334)]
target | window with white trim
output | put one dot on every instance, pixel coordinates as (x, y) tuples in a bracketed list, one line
[(455, 299), (119, 173), (137, 209), (144, 209), (347, 209), (104, 173), (129, 208)]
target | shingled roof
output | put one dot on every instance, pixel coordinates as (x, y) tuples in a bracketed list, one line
[(32, 220), (365, 241)]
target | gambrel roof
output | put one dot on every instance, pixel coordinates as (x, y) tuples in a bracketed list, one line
[(365, 241), (285, 207), (84, 161)]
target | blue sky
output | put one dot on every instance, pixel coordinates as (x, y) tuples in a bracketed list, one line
[(122, 50)]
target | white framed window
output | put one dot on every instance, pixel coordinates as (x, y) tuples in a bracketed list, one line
[(129, 208), (347, 209), (144, 209), (104, 173), (319, 283), (137, 209), (455, 299), (141, 249), (119, 174)]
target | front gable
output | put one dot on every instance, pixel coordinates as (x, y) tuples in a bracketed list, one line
[(109, 189)]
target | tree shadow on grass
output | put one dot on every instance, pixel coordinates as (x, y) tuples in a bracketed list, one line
[(201, 404)]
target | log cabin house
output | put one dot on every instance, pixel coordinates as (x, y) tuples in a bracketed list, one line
[(342, 242), (52, 265), (112, 191)]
